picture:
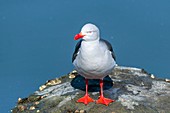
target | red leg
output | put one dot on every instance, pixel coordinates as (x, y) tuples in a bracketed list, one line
[(86, 99), (102, 99)]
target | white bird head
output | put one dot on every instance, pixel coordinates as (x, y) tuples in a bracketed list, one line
[(89, 32)]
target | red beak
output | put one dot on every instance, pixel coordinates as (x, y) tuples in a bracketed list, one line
[(78, 36)]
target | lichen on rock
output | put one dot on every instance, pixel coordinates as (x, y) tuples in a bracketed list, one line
[(133, 89)]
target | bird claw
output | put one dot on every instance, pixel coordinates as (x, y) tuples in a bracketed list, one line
[(103, 100), (86, 99)]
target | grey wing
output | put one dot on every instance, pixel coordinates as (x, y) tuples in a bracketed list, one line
[(76, 50), (109, 46)]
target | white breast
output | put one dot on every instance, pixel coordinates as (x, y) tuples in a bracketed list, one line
[(94, 61)]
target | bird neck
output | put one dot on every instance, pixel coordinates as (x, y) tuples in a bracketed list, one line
[(90, 47), (90, 43)]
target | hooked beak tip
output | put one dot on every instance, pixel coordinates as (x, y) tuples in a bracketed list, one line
[(78, 36)]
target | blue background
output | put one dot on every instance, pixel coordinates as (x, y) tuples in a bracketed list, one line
[(36, 39)]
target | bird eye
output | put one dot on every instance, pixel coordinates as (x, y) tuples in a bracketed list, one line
[(89, 31)]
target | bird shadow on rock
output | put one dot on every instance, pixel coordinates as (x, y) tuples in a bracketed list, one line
[(93, 84)]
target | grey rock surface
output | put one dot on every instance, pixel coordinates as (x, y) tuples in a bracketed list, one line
[(134, 90)]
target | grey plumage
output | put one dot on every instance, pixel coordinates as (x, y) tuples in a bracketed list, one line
[(76, 50), (78, 45)]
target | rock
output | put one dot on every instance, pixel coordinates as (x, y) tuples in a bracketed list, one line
[(134, 90), (32, 107)]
